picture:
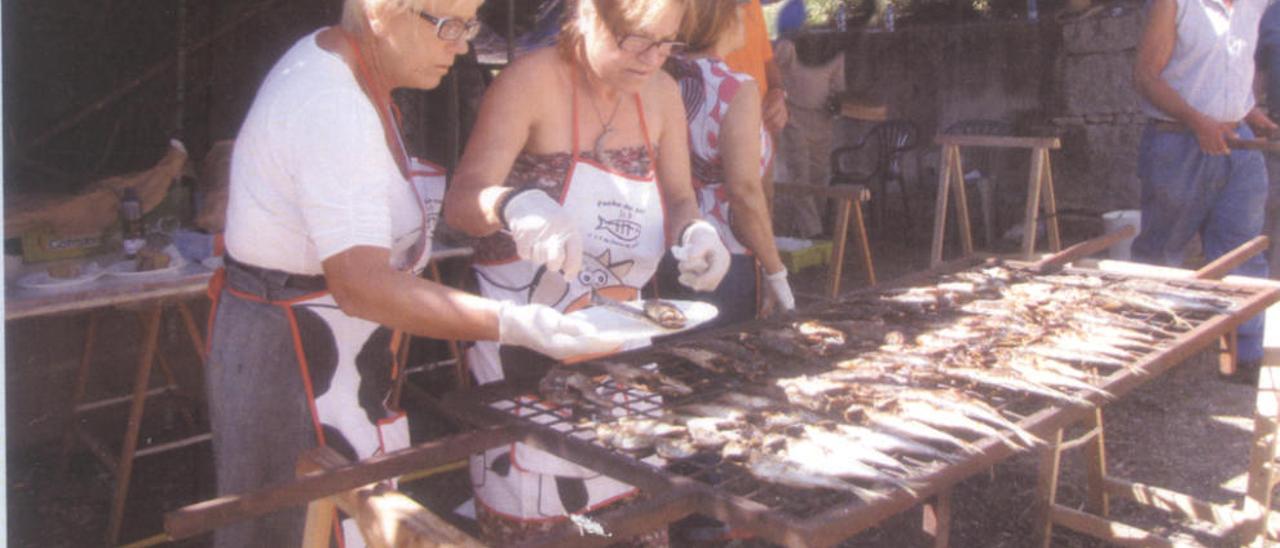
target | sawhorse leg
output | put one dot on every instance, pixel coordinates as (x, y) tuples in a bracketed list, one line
[(936, 518), (141, 380)]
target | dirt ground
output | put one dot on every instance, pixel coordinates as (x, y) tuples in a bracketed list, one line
[(1188, 430)]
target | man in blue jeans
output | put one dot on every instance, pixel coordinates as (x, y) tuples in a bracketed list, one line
[(1195, 70), (1268, 63)]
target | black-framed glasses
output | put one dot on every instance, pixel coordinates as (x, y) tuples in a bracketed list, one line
[(452, 29), (640, 45)]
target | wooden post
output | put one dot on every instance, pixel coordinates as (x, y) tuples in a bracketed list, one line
[(936, 518), (1047, 486), (1257, 500)]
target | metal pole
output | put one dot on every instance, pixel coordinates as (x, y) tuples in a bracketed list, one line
[(511, 31)]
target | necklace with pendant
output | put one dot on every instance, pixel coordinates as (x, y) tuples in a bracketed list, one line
[(606, 125)]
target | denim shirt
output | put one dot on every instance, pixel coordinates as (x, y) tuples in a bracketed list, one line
[(1212, 63)]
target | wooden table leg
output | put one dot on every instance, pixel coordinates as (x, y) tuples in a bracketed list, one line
[(836, 270), (936, 517), (863, 244), (1050, 204), (77, 391), (1047, 486), (141, 380), (1258, 490), (1095, 454), (1030, 220), (963, 226), (1227, 354), (193, 330), (940, 205)]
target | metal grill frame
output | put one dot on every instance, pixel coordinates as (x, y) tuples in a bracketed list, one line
[(683, 495)]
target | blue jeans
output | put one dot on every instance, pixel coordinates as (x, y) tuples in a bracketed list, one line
[(1186, 192)]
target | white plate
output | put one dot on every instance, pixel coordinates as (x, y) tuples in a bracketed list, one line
[(128, 268), (622, 326), (42, 280)]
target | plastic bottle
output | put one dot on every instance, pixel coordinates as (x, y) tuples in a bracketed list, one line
[(1033, 13), (842, 18), (888, 17), (131, 223)]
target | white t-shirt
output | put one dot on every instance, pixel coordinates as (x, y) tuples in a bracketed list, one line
[(311, 174)]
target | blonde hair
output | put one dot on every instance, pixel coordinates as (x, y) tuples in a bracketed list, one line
[(354, 12), (707, 21), (621, 17)]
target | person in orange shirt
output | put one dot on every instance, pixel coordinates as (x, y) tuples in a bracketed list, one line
[(755, 58)]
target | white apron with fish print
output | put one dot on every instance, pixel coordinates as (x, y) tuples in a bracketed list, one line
[(622, 222)]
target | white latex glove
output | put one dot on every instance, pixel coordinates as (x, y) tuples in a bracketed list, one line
[(703, 258), (544, 232), (778, 292), (546, 330)]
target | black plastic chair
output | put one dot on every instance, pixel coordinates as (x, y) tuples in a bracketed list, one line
[(884, 146), (982, 160)]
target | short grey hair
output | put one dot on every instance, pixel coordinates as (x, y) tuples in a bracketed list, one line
[(354, 11)]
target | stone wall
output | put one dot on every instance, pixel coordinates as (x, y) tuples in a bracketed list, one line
[(1070, 79)]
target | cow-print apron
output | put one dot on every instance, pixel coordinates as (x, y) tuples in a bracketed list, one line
[(621, 218), (347, 364)]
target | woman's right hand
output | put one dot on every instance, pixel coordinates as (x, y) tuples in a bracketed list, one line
[(777, 295), (546, 330), (543, 231)]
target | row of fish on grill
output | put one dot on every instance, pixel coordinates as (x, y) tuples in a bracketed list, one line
[(876, 390)]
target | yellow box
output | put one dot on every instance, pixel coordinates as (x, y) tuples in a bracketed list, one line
[(45, 244), (818, 254)]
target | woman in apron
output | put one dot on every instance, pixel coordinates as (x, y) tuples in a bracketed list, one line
[(329, 223), (729, 154), (590, 135)]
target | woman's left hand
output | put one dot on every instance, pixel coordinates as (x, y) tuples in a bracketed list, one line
[(777, 295), (703, 258)]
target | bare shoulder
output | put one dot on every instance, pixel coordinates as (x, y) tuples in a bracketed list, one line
[(662, 94), (538, 69)]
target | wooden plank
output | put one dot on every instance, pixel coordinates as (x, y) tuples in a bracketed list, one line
[(998, 141), (208, 515), (940, 205), (1173, 502), (1232, 259), (1080, 250), (858, 193), (1114, 532), (386, 517)]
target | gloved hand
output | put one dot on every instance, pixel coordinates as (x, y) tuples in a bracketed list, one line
[(546, 330), (703, 258), (543, 231), (777, 295)]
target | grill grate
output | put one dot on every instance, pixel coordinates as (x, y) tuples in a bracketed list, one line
[(732, 479)]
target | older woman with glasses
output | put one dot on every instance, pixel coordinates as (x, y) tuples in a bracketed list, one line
[(577, 175), (730, 152), (329, 222)]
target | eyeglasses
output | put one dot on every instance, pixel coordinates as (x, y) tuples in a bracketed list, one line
[(640, 45), (451, 29)]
